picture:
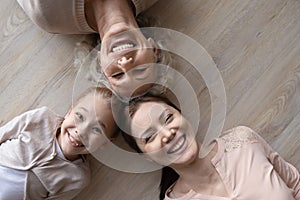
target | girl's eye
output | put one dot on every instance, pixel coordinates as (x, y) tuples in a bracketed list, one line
[(118, 75), (169, 118), (79, 116)]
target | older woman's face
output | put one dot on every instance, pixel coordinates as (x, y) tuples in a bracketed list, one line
[(164, 134), (128, 61)]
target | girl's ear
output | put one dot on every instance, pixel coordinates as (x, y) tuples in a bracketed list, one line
[(155, 47)]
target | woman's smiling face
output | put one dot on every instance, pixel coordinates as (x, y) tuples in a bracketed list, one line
[(128, 61), (164, 134)]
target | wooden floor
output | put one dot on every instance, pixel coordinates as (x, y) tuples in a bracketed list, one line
[(254, 43)]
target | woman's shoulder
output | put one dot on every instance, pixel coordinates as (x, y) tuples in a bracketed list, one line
[(238, 136)]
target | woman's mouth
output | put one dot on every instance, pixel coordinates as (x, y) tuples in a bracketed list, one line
[(177, 147), (74, 142)]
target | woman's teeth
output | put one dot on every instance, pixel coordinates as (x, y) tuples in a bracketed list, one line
[(122, 47), (177, 146)]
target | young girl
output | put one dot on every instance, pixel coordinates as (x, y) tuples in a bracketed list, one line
[(240, 166), (41, 153)]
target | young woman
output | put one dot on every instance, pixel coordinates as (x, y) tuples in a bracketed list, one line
[(127, 58), (241, 164), (41, 153)]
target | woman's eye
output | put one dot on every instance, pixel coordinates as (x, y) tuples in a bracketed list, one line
[(149, 138), (169, 118), (118, 75)]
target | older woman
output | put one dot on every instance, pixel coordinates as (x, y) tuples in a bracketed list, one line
[(126, 56)]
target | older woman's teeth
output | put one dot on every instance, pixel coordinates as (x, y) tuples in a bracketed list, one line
[(122, 47)]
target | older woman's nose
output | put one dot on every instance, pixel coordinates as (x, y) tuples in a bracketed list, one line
[(168, 135), (125, 63)]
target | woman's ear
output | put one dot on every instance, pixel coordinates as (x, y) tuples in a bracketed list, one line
[(155, 47)]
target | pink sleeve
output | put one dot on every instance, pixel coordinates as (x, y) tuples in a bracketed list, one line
[(289, 174)]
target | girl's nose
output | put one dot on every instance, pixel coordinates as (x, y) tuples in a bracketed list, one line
[(80, 134), (125, 63), (168, 135)]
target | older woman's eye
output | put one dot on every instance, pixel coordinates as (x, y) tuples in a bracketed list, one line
[(117, 75), (139, 71)]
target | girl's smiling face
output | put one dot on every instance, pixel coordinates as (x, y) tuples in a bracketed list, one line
[(164, 134), (87, 126)]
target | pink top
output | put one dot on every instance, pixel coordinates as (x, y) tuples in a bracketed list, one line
[(250, 170)]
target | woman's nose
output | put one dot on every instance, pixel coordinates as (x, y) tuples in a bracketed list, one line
[(168, 135), (125, 63)]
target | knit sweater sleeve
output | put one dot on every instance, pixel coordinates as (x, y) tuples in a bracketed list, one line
[(66, 17)]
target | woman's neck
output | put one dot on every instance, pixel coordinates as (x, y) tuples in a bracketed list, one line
[(110, 16), (200, 172)]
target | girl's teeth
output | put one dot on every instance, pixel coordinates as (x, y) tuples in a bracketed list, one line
[(74, 141), (122, 47)]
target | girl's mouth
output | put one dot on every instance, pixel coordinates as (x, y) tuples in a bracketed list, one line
[(74, 142)]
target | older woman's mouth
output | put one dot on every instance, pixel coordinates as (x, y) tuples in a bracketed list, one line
[(122, 47)]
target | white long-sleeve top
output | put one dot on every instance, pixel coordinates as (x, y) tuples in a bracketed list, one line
[(29, 146)]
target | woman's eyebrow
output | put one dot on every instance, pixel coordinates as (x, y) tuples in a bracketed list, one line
[(163, 113)]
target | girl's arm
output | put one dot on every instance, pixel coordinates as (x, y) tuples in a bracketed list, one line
[(11, 129)]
